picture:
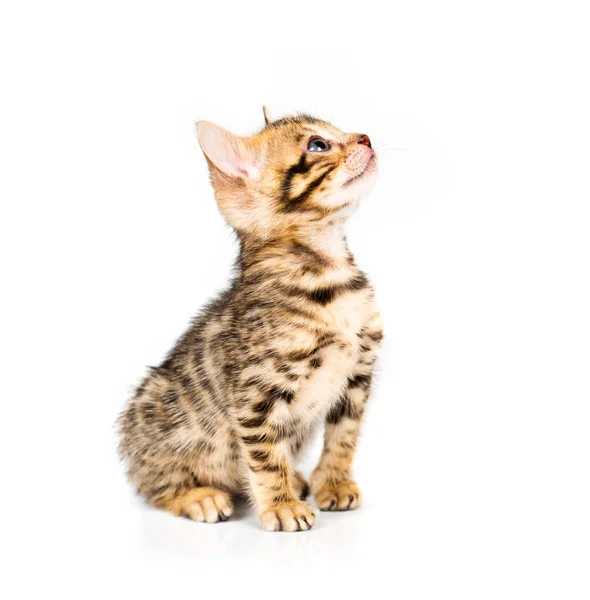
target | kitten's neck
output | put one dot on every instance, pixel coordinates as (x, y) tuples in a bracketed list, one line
[(311, 250), (329, 242)]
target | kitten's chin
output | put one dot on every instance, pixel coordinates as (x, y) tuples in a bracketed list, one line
[(353, 188), (361, 184)]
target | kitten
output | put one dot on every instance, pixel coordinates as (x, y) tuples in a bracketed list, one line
[(292, 343)]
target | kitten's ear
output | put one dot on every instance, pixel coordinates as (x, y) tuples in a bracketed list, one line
[(267, 116), (235, 156)]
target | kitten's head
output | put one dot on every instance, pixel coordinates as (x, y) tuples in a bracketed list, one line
[(297, 174)]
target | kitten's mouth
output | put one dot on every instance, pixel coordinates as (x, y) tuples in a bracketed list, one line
[(368, 168)]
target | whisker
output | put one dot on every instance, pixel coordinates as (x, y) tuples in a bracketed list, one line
[(388, 149)]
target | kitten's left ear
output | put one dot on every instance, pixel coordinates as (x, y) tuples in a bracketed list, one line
[(267, 116), (235, 156)]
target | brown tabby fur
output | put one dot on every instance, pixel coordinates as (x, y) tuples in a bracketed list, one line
[(290, 344)]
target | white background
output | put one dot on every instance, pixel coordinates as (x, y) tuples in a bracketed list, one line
[(475, 456)]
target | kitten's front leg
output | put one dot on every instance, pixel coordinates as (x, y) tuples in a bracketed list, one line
[(273, 484), (331, 481)]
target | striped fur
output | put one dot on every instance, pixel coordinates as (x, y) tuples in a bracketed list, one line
[(290, 345)]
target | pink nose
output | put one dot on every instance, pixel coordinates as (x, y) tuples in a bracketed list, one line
[(364, 140)]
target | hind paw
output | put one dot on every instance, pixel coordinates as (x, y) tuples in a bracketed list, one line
[(208, 505)]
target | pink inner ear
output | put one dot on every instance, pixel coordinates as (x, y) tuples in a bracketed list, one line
[(243, 167), (226, 151)]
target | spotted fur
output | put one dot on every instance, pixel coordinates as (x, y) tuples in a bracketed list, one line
[(291, 344)]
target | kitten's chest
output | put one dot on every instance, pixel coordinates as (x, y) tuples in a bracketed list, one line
[(331, 367)]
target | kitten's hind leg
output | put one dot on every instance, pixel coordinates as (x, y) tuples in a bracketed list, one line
[(205, 504)]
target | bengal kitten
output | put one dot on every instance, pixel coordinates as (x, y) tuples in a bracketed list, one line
[(291, 343)]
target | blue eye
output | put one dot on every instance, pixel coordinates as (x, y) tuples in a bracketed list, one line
[(318, 145)]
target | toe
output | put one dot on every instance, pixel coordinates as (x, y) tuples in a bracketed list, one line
[(195, 512), (305, 516), (210, 510), (326, 500), (270, 521), (344, 500), (287, 519), (224, 506), (355, 501)]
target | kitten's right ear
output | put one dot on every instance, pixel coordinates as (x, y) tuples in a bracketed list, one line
[(231, 154)]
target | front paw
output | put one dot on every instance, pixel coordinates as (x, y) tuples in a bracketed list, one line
[(294, 516), (342, 496)]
